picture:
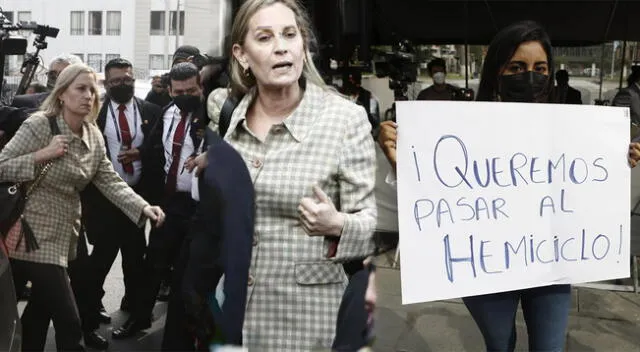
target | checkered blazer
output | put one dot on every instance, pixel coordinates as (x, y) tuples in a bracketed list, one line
[(294, 288), (53, 209)]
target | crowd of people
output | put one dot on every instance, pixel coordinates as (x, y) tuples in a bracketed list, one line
[(258, 178)]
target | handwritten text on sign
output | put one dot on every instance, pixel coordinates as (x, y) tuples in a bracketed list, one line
[(495, 197)]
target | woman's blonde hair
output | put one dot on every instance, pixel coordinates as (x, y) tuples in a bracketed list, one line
[(241, 82), (52, 106)]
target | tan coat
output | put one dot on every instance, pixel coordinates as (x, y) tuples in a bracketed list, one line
[(295, 289), (53, 209)]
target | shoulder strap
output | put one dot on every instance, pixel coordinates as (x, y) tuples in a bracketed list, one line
[(53, 124), (55, 130), (225, 114)]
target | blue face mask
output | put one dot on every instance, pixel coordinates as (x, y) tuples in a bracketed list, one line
[(525, 87)]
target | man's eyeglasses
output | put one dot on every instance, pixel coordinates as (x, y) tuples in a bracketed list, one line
[(122, 80)]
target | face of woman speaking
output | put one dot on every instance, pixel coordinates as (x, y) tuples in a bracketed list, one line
[(273, 48)]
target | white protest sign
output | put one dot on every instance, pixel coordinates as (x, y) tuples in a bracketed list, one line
[(495, 197)]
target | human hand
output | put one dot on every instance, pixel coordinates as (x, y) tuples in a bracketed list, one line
[(634, 154), (201, 163), (155, 214), (387, 139), (319, 217), (58, 147), (190, 163), (129, 156)]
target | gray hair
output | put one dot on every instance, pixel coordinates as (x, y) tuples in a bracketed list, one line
[(65, 59)]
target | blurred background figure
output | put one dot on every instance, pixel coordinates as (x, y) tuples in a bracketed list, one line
[(563, 93), (35, 88)]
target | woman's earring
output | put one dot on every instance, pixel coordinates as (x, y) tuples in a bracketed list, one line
[(247, 72)]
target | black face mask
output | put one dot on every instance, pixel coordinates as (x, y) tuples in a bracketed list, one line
[(187, 103), (524, 87), (121, 94)]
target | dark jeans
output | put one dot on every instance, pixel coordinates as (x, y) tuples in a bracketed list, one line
[(164, 247), (116, 232), (51, 299), (546, 313)]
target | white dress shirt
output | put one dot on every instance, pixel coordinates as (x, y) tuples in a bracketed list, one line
[(386, 195), (171, 120), (113, 134)]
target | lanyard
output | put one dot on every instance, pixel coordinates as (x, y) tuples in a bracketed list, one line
[(117, 125)]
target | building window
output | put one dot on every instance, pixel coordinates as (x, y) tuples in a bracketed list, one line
[(173, 24), (157, 22), (95, 22), (113, 22), (95, 61), (156, 62), (109, 57), (170, 59), (81, 56), (24, 16), (77, 23)]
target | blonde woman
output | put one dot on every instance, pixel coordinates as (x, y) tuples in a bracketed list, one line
[(53, 209), (312, 161)]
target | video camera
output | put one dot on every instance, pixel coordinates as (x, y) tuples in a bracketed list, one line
[(13, 44), (400, 66)]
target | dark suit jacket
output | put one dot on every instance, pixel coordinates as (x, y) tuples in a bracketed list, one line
[(629, 97), (156, 147), (94, 205), (10, 120), (221, 236), (573, 96), (29, 101)]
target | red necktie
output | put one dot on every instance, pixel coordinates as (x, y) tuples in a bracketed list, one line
[(178, 139), (125, 132)]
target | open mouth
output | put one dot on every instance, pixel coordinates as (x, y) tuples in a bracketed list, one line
[(282, 65)]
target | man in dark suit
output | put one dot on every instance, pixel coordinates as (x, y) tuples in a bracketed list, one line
[(126, 123), (219, 243), (175, 138), (33, 101), (562, 92), (630, 97)]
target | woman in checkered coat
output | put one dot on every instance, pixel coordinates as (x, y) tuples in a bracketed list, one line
[(312, 160), (53, 208)]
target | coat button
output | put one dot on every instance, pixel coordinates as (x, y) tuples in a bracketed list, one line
[(250, 281), (257, 163)]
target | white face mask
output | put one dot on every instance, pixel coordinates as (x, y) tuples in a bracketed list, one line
[(438, 78)]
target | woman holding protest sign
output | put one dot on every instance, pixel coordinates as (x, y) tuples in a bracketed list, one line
[(518, 68)]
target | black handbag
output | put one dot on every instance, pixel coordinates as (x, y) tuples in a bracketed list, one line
[(13, 199)]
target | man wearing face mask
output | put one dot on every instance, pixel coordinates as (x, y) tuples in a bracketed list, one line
[(33, 101), (174, 143), (440, 90), (126, 123)]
